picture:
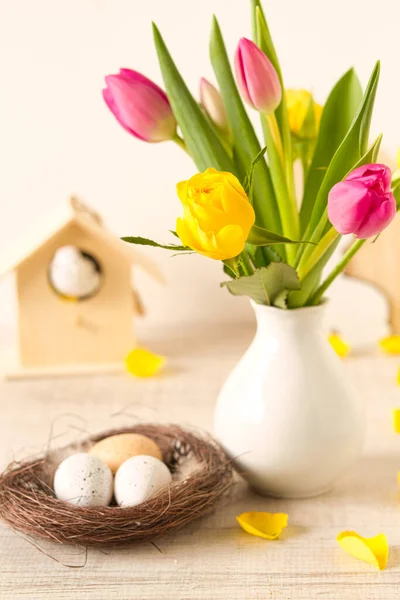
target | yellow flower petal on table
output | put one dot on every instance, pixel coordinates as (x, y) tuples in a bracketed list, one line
[(374, 551), (339, 345), (390, 344), (143, 363), (396, 419), (263, 524)]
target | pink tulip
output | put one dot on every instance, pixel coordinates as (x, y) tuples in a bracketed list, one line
[(257, 79), (363, 203), (140, 106), (212, 103)]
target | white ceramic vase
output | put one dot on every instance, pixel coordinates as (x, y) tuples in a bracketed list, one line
[(287, 413)]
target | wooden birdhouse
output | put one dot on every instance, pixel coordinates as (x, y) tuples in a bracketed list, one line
[(75, 297)]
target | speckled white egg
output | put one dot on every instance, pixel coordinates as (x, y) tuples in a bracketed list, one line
[(139, 478), (84, 480), (73, 273)]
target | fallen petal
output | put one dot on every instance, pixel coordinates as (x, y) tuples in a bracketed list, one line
[(374, 551), (396, 419), (143, 363), (263, 524), (390, 344), (341, 348)]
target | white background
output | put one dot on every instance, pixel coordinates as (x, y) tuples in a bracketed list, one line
[(57, 136)]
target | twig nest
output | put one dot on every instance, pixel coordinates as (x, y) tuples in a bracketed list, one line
[(139, 478), (84, 480), (116, 449), (201, 476)]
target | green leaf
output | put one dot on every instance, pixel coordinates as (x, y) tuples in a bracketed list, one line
[(350, 151), (269, 254), (246, 144), (224, 136), (202, 143), (267, 285), (141, 241), (371, 156), (281, 299), (259, 236), (262, 35), (337, 116)]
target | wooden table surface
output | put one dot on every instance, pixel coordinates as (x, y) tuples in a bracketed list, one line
[(213, 558)]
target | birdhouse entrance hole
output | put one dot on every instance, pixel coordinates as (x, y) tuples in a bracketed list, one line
[(75, 274)]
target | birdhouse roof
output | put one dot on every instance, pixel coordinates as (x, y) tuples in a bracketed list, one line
[(74, 211)]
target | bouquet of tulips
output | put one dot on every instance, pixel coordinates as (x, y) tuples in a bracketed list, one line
[(244, 208)]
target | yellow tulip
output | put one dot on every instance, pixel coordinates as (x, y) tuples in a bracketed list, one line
[(301, 123), (217, 214)]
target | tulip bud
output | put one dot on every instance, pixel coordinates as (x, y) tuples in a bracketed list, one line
[(257, 79), (363, 204), (212, 103), (140, 106), (304, 114)]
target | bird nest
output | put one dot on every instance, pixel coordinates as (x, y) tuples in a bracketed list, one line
[(201, 475)]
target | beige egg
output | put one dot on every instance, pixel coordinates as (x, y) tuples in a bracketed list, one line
[(116, 449)]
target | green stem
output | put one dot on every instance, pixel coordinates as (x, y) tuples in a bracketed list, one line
[(180, 142), (246, 264), (276, 134), (286, 204), (312, 235), (233, 266), (287, 169), (340, 267), (319, 250), (305, 163), (290, 176)]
